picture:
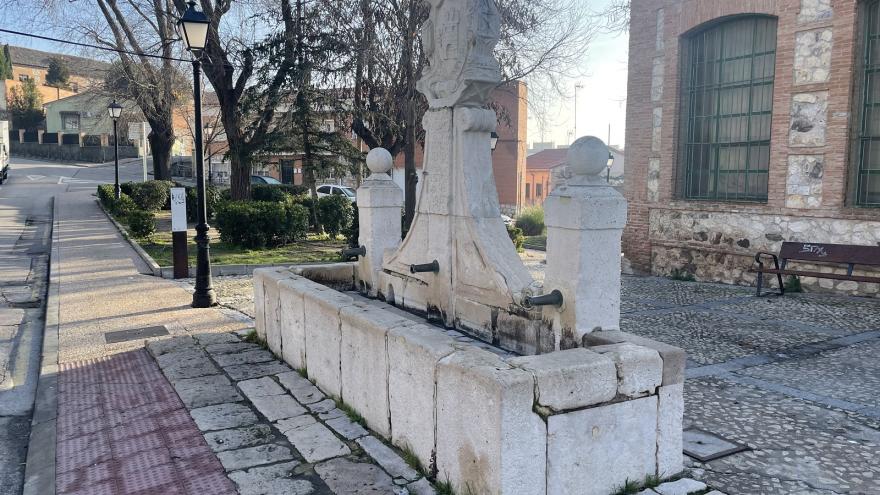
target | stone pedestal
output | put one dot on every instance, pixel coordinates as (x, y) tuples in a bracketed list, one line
[(379, 202), (585, 219), (458, 223)]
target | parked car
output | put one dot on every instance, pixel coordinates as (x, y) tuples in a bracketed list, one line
[(264, 179), (332, 189)]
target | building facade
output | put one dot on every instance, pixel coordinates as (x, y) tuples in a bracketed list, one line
[(750, 123), (30, 64)]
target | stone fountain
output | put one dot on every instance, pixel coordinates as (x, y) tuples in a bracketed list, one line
[(496, 384)]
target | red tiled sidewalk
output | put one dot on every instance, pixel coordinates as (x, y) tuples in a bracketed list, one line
[(123, 430)]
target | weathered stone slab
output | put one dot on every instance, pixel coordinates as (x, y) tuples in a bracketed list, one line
[(639, 369), (312, 439), (670, 411), (300, 388), (174, 344), (271, 480), (248, 436), (192, 367), (241, 372), (276, 407), (683, 486), (609, 444), (233, 460), (347, 428), (325, 405), (674, 358), (413, 353), (364, 363), (809, 119), (499, 446), (293, 331), (572, 378), (248, 357), (324, 338), (223, 416), (260, 387), (356, 478), (230, 348), (216, 338), (206, 391), (387, 458), (179, 355)]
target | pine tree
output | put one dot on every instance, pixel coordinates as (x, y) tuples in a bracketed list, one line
[(58, 75), (5, 63), (26, 105)]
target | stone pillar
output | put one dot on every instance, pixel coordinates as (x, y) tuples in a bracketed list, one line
[(379, 202), (585, 218)]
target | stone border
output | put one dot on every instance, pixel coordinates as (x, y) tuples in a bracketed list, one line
[(527, 417), (39, 474), (167, 272)]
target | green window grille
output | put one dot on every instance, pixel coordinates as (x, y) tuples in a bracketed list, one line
[(727, 103), (868, 181)]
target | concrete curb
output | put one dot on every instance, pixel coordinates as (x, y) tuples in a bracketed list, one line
[(167, 272), (39, 475)]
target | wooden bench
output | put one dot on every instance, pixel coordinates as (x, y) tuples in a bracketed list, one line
[(836, 254)]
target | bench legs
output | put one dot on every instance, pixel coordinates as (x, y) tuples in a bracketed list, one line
[(761, 275)]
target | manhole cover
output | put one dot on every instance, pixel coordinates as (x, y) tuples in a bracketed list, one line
[(134, 334), (704, 446)]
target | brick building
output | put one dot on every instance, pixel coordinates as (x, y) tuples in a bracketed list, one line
[(27, 63), (749, 123)]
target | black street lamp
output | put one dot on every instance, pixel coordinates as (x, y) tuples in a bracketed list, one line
[(115, 111), (193, 27), (209, 130), (493, 140), (608, 165)]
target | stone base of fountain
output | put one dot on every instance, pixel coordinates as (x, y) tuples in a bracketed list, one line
[(582, 420)]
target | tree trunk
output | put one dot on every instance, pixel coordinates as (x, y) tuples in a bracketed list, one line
[(160, 147), (240, 178)]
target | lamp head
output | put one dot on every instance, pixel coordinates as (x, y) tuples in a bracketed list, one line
[(193, 27), (115, 110)]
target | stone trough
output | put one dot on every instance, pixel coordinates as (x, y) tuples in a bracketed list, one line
[(582, 420)]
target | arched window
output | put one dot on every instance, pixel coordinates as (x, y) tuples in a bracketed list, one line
[(728, 71), (868, 180)]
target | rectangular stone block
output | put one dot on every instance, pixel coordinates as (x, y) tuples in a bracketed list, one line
[(293, 329), (413, 353), (259, 302), (670, 411), (324, 338), (272, 312), (674, 358), (595, 451), (365, 363), (489, 440), (639, 369), (571, 379)]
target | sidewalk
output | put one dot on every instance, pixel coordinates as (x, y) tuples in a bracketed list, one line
[(121, 428)]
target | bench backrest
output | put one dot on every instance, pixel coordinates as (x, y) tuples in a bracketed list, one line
[(830, 253)]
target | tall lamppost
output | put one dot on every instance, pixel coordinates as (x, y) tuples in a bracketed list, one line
[(193, 27), (209, 130), (115, 111)]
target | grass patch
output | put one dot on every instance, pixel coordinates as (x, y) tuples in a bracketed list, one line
[(317, 248), (413, 460), (632, 487), (536, 242), (303, 372), (353, 415), (253, 338), (444, 488)]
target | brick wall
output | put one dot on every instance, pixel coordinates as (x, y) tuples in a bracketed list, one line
[(817, 56)]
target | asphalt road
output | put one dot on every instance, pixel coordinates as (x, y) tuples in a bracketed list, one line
[(26, 201)]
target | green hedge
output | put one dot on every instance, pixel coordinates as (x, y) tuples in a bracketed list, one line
[(213, 198), (276, 192), (118, 207), (141, 223), (257, 224), (334, 214), (531, 220), (151, 195)]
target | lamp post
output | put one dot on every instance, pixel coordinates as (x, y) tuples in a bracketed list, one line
[(115, 111), (209, 131), (193, 27), (493, 140), (608, 164)]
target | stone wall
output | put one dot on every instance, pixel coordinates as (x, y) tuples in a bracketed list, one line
[(811, 171), (583, 420), (72, 152), (719, 246)]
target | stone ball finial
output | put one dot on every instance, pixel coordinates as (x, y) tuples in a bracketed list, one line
[(587, 156), (379, 160)]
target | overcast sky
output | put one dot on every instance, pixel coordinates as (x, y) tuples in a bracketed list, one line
[(600, 102)]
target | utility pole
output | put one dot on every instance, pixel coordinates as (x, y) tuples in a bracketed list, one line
[(577, 87)]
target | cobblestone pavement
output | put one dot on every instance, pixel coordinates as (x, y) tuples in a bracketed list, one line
[(795, 379), (273, 431)]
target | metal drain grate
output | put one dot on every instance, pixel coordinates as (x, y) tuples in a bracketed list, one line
[(704, 446), (135, 333)]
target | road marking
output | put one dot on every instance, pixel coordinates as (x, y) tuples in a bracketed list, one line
[(36, 177)]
